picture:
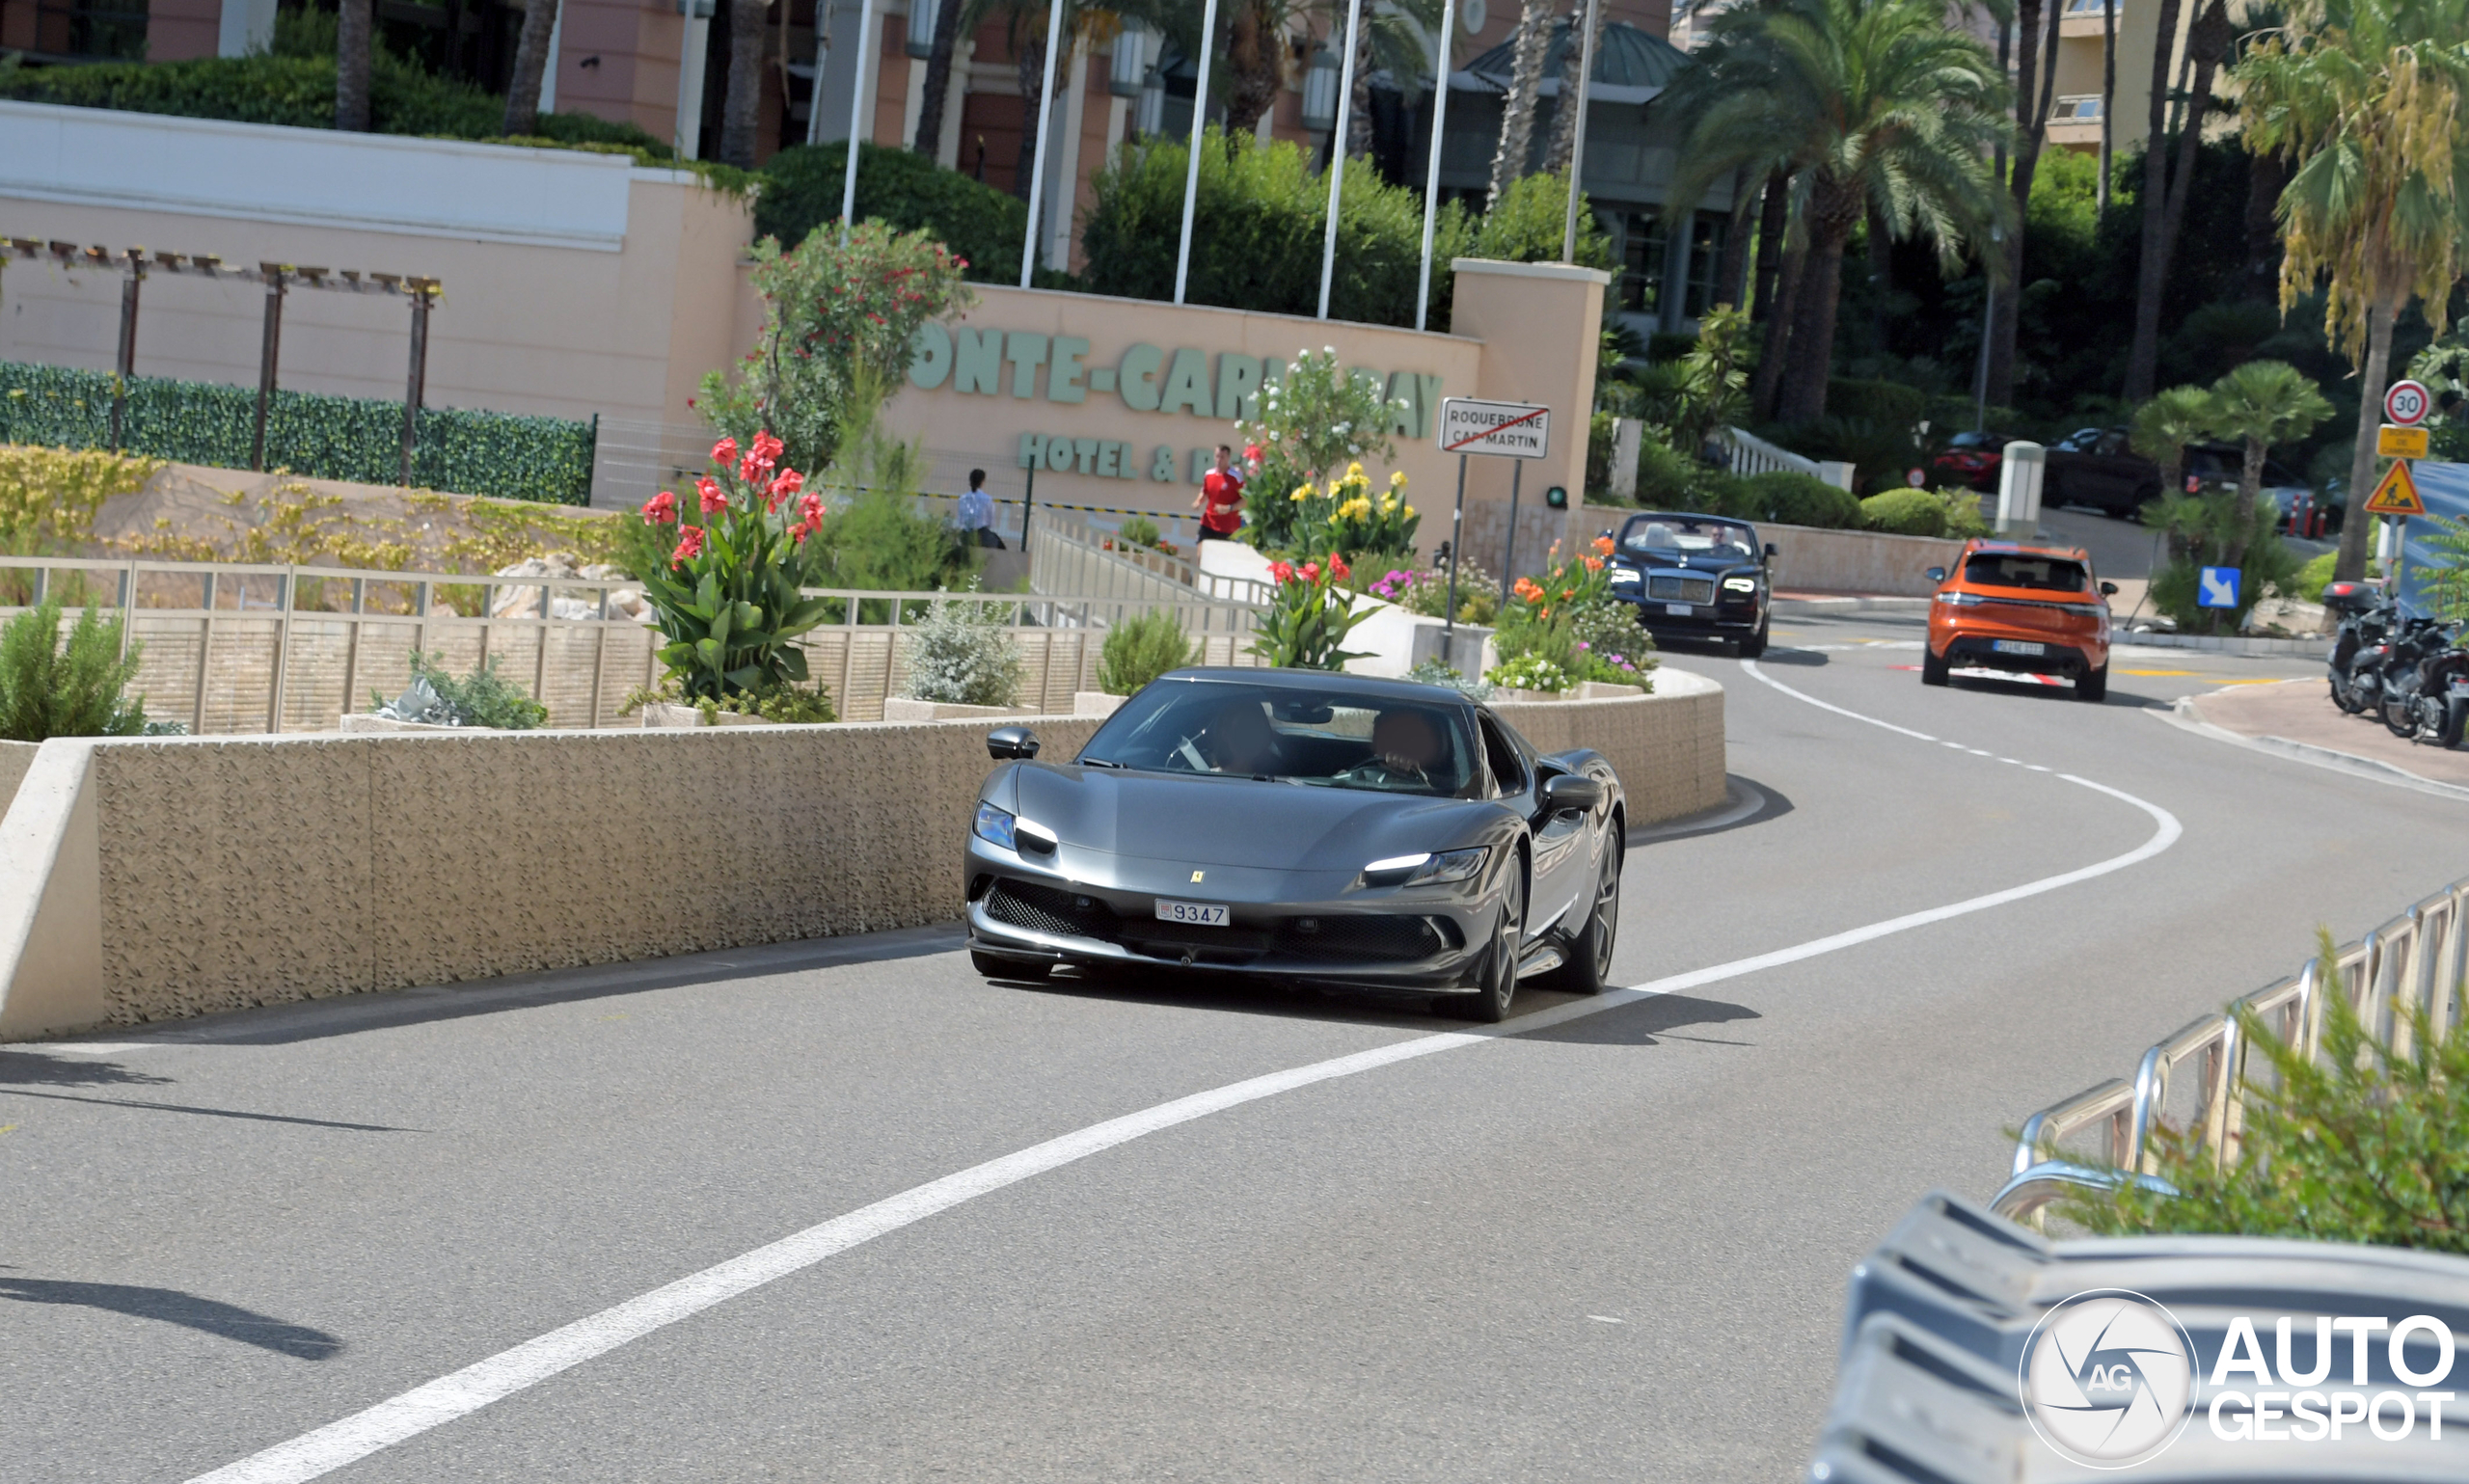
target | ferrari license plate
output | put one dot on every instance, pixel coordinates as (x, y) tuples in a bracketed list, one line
[(1205, 914), (2017, 647), (1678, 609)]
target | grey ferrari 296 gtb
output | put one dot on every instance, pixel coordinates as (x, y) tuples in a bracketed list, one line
[(1304, 827)]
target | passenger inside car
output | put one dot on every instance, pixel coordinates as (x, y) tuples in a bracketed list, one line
[(2040, 574)]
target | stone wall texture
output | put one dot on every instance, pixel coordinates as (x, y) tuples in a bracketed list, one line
[(16, 757), (253, 871)]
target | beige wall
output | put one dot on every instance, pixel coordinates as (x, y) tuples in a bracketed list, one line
[(152, 880), (562, 331), (16, 757), (1856, 561)]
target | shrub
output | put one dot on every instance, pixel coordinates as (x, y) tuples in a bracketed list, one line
[(1139, 650), (839, 320), (1427, 592), (877, 539), (1612, 645), (1668, 480), (1889, 403), (1905, 513), (2313, 577), (905, 190), (1530, 671), (1138, 530), (1306, 442), (2221, 529), (483, 698), (728, 604), (1310, 615), (502, 454), (2362, 1145), (1880, 452), (77, 689), (1440, 672), (960, 656), (49, 497), (1789, 500)]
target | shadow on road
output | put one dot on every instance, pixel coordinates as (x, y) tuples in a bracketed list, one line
[(20, 1068), (1648, 1023), (209, 1316), (1746, 802), (212, 1113)]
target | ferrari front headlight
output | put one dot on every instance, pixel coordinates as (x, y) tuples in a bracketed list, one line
[(1426, 870)]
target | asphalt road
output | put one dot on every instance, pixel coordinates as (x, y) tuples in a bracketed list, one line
[(1608, 1247)]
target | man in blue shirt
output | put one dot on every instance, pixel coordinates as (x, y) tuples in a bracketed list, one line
[(976, 514)]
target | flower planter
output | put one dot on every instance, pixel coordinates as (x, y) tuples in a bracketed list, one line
[(657, 715), (362, 721), (1512, 693), (902, 709), (1607, 690), (1095, 703)]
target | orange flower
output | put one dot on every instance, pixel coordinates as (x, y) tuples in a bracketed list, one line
[(1595, 564), (1602, 547), (1527, 590)]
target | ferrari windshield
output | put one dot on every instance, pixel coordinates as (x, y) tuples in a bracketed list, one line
[(1688, 535), (1327, 739)]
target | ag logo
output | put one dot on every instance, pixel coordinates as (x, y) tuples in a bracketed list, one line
[(2107, 1378)]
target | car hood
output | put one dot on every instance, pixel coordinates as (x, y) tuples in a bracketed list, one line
[(1236, 821)]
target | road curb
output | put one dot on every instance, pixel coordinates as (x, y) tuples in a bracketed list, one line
[(2374, 769), (2318, 648), (1820, 607)]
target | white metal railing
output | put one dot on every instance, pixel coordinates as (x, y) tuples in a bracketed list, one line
[(2197, 1080), (232, 648), (1066, 556), (1746, 453)]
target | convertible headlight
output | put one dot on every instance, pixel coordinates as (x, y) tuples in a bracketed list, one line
[(994, 826), (1426, 870), (1622, 576), (1740, 584)]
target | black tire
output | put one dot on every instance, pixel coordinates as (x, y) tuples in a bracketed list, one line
[(993, 966), (2400, 714), (2456, 720), (2342, 698), (1933, 668), (1587, 969), (1490, 1004), (1755, 644), (2093, 684)]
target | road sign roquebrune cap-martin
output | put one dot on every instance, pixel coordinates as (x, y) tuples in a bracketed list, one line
[(1516, 430)]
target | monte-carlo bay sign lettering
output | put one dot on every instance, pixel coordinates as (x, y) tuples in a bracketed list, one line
[(1146, 378)]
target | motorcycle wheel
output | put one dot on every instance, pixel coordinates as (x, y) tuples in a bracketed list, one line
[(2456, 720), (2341, 698), (2400, 711)]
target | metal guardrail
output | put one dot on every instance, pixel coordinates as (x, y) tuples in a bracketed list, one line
[(234, 648), (2196, 1081)]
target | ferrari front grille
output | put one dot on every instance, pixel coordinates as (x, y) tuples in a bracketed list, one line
[(1397, 938), (1045, 909), (1680, 589)]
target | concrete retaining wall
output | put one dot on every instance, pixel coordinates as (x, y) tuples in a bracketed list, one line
[(156, 878), (16, 757), (1807, 559)]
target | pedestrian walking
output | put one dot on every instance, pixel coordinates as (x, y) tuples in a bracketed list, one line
[(1220, 500), (976, 515)]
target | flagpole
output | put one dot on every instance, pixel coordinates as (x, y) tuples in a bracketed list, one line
[(1432, 169), (1576, 136), (1337, 154), (1191, 167), (1037, 161), (856, 114)]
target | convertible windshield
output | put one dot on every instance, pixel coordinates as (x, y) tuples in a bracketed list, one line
[(1327, 739), (1686, 534)]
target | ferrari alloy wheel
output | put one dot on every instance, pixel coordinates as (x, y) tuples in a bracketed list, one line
[(1588, 966), (1490, 1004), (993, 966)]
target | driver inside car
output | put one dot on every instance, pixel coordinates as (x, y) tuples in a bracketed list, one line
[(1241, 741), (1404, 749)]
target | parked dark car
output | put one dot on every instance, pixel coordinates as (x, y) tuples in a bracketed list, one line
[(2094, 466), (1694, 577), (1971, 460)]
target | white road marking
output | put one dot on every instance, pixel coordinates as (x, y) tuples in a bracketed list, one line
[(450, 1397), (91, 1048)]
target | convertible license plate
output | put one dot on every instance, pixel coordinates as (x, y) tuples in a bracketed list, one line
[(2017, 647), (1678, 609), (1205, 914)]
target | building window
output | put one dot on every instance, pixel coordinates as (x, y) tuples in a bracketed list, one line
[(1639, 236), (1705, 265), (2082, 108), (112, 29)]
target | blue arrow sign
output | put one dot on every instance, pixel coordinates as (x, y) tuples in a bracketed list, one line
[(2219, 586)]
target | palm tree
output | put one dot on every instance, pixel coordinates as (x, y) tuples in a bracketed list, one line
[(531, 61), (1517, 105), (2036, 69), (351, 65), (1256, 58), (2167, 188), (1565, 112), (1873, 104), (2164, 425), (945, 44), (2261, 404), (742, 105), (2366, 99)]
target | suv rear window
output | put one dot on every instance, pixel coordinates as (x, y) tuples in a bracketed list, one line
[(2045, 574)]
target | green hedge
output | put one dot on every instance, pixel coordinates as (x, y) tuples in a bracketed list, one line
[(1788, 500), (801, 189), (1888, 402), (544, 459), (1905, 513)]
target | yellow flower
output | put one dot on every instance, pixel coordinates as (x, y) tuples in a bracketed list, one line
[(1397, 479), (1301, 491), (1410, 510), (1354, 471)]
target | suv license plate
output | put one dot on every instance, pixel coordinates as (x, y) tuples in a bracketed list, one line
[(2017, 647), (1205, 914), (1678, 609)]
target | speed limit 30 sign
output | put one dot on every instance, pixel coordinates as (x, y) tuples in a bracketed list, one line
[(2407, 403)]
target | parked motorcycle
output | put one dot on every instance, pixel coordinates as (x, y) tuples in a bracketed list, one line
[(2424, 694), (2368, 614)]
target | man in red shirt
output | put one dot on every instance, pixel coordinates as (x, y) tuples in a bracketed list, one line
[(1220, 500)]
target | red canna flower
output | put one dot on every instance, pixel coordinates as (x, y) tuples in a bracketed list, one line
[(1310, 572), (1281, 572), (661, 509), (1338, 567), (714, 498), (690, 543), (724, 453), (811, 507), (767, 449)]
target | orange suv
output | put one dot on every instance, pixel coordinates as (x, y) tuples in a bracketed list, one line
[(2036, 609)]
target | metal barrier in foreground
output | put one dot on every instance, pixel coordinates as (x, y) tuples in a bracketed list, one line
[(2196, 1080)]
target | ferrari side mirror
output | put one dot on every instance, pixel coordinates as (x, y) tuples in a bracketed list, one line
[(1936, 574), (1571, 794), (2109, 589), (1011, 742)]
